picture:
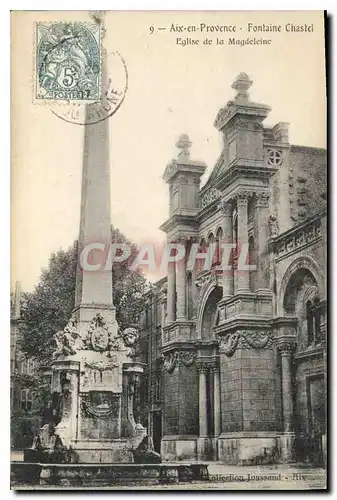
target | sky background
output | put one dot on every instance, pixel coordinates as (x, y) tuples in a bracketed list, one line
[(172, 90)]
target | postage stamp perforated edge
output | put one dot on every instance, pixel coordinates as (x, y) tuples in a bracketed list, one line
[(35, 83)]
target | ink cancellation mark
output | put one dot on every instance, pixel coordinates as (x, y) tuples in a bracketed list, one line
[(68, 61), (114, 89)]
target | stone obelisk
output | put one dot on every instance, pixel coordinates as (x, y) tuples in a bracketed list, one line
[(93, 372), (94, 286)]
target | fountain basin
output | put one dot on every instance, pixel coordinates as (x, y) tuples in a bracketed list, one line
[(39, 475)]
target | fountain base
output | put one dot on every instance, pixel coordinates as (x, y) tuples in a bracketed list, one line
[(27, 475)]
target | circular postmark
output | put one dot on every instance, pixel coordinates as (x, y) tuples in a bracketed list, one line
[(114, 87)]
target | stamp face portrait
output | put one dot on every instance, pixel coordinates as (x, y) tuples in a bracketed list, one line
[(68, 61)]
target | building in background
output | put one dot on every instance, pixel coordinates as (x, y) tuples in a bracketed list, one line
[(23, 370), (236, 361)]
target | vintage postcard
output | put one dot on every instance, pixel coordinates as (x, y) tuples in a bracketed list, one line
[(169, 229)]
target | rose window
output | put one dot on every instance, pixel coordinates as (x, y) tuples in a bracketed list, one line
[(274, 157)]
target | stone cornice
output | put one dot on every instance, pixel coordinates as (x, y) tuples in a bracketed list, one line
[(206, 343), (179, 345), (177, 219), (175, 167), (286, 321), (236, 171), (310, 352), (268, 143), (181, 322), (235, 108), (242, 322)]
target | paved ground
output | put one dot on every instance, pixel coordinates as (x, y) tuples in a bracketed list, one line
[(225, 477)]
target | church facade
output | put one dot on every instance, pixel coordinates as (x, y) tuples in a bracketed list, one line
[(236, 360)]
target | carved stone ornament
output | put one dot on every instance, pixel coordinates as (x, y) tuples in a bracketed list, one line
[(100, 338), (201, 283), (274, 157), (68, 341), (256, 340), (183, 144), (262, 199), (130, 338), (286, 347), (245, 339), (99, 334), (170, 361), (209, 196), (229, 343), (273, 226), (299, 237), (102, 411), (203, 366), (101, 365), (226, 208), (242, 197)]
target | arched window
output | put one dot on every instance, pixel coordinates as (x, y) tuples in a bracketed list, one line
[(310, 322), (211, 241), (202, 246), (189, 295), (252, 262), (235, 235), (210, 238), (218, 241), (317, 320), (199, 263)]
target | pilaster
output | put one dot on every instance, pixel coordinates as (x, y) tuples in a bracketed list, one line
[(227, 263), (242, 275), (285, 332), (261, 243)]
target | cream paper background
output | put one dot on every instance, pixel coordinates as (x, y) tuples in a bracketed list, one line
[(172, 89)]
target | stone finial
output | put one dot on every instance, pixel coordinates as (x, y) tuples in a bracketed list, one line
[(281, 132), (183, 144), (241, 84)]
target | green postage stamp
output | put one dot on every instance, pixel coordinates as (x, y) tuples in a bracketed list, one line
[(68, 61)]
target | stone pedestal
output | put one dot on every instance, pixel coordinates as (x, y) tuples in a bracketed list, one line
[(180, 405), (96, 385), (177, 448), (207, 448), (250, 398), (248, 448)]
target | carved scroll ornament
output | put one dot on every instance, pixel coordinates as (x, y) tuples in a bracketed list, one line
[(245, 339), (229, 343), (98, 412), (101, 365), (186, 358)]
